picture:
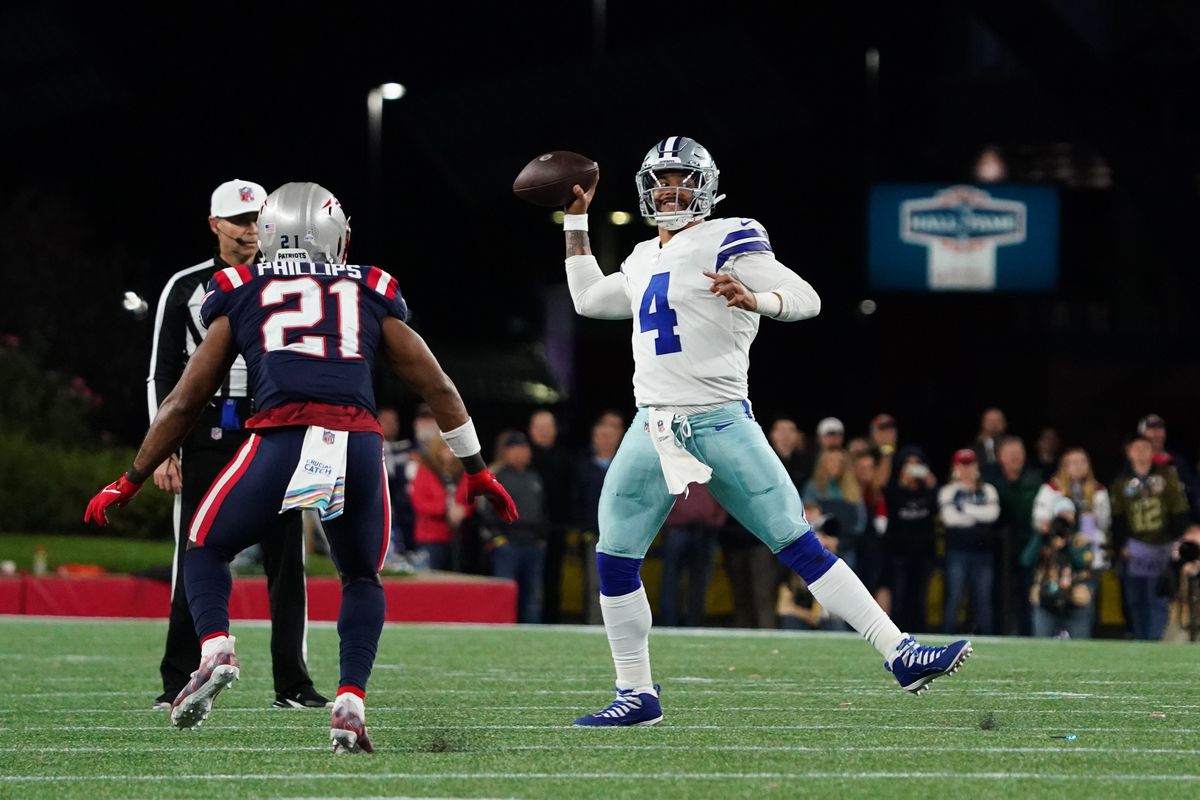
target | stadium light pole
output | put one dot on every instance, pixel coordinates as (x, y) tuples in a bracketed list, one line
[(375, 101)]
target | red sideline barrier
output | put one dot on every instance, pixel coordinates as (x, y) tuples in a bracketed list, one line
[(100, 596), (12, 594), (451, 598)]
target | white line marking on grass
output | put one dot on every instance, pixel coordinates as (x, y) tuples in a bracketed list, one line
[(615, 776), (85, 694), (565, 726), (713, 748), (783, 748), (1133, 707), (139, 748)]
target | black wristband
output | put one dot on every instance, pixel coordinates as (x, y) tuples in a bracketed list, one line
[(474, 464), (133, 476)]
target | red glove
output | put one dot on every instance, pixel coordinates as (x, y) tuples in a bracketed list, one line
[(484, 484), (119, 492)]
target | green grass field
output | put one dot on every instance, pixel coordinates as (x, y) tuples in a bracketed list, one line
[(486, 712)]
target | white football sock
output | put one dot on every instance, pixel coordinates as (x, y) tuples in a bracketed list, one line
[(841, 592), (627, 623), (350, 699), (217, 644)]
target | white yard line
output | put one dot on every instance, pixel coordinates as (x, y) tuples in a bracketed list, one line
[(673, 727), (714, 748), (613, 776), (1143, 709)]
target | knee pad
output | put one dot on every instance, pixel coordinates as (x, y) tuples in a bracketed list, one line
[(618, 575), (349, 579), (807, 557)]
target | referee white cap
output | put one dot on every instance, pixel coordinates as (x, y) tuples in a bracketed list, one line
[(237, 197)]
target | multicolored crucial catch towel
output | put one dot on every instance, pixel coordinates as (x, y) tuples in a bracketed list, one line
[(319, 480)]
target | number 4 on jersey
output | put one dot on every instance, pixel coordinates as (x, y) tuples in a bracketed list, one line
[(657, 315)]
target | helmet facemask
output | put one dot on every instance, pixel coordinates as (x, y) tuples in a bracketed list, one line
[(694, 193), (692, 196)]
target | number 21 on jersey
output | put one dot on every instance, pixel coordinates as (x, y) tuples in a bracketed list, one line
[(309, 314), (657, 315)]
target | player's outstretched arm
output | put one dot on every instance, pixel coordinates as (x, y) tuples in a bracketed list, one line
[(412, 360), (576, 230), (205, 371), (595, 294), (201, 379)]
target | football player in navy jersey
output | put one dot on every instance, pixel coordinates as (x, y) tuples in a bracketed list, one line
[(309, 327)]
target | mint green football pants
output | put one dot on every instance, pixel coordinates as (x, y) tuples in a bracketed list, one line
[(748, 480)]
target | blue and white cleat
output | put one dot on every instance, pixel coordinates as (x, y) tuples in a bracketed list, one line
[(629, 709), (916, 666)]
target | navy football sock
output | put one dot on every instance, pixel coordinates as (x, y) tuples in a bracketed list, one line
[(208, 584), (807, 557), (619, 575), (360, 622)]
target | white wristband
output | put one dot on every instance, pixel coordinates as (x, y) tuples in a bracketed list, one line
[(463, 441), (768, 301), (575, 222)]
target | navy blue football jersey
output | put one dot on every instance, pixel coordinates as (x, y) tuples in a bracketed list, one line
[(308, 331)]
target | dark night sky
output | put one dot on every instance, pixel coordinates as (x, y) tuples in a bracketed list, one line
[(120, 128)]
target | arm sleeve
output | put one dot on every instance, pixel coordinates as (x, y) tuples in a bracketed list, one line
[(168, 351), (216, 303), (1043, 506), (595, 294), (1176, 493), (951, 516), (781, 293), (387, 292), (988, 510)]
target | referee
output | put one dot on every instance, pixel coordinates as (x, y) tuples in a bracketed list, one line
[(209, 447)]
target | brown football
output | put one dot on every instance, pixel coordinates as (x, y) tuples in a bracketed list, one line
[(547, 179)]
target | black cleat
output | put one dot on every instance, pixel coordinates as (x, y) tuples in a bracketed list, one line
[(304, 697)]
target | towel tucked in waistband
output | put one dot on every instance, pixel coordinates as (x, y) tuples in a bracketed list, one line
[(679, 466), (319, 480)]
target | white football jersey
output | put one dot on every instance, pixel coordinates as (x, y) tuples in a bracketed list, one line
[(689, 349)]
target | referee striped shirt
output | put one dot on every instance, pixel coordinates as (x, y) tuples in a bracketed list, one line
[(178, 331)]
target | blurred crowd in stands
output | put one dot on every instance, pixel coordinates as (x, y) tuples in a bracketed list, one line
[(1000, 540)]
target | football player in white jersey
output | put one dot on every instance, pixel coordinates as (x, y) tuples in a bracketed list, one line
[(696, 294)]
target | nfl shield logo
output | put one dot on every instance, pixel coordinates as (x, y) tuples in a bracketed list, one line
[(247, 194), (327, 437), (661, 428), (216, 433)]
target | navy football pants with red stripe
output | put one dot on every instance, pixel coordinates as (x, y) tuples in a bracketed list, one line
[(243, 504)]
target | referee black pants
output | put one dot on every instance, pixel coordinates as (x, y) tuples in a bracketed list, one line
[(283, 562)]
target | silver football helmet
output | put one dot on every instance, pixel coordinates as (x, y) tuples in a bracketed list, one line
[(303, 221), (678, 154)]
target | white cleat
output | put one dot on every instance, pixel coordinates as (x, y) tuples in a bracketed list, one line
[(347, 727), (195, 701)]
